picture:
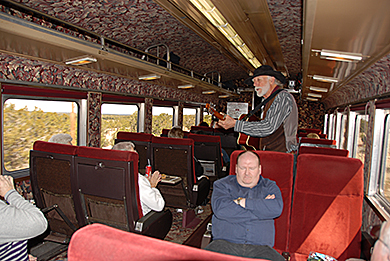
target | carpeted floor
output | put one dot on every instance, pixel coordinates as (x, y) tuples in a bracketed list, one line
[(179, 234)]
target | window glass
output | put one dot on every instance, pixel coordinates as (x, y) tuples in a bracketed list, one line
[(331, 124), (207, 118), (162, 119), (26, 121), (361, 127), (189, 118), (385, 179), (115, 118), (343, 132)]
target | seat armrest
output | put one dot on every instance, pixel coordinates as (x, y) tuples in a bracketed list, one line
[(155, 224)]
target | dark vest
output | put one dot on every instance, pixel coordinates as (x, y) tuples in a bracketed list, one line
[(277, 140)]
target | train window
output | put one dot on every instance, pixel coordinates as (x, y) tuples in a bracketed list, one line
[(343, 132), (361, 128), (162, 119), (189, 118), (115, 118), (385, 173), (330, 126), (27, 120)]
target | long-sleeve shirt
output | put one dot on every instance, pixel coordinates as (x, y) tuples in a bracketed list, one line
[(19, 221), (283, 110), (151, 198), (253, 224)]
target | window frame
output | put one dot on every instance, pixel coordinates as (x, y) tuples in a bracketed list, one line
[(373, 193), (138, 105), (80, 132)]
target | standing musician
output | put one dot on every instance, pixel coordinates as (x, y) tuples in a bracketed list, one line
[(277, 127)]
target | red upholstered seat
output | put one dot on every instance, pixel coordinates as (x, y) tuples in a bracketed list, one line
[(208, 148), (97, 153), (123, 135), (55, 147), (317, 131), (102, 243), (176, 157), (203, 129), (323, 151), (327, 207), (276, 166), (317, 141), (142, 145)]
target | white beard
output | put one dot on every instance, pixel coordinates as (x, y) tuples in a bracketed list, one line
[(260, 91)]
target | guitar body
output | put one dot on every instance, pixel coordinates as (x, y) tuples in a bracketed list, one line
[(250, 143)]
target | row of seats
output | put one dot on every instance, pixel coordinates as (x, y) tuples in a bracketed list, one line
[(176, 157), (322, 213), (80, 185), (305, 131), (207, 148), (322, 209)]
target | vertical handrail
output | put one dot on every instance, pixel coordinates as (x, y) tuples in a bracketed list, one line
[(212, 77), (169, 66)]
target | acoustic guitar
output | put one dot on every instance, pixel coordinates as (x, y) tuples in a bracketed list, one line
[(248, 142)]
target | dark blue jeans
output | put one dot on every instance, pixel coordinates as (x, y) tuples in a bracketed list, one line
[(244, 250)]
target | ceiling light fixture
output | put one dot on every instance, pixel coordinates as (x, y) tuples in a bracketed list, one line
[(186, 86), (208, 92), (81, 60), (324, 78), (224, 96), (316, 95), (340, 56), (207, 8), (318, 89), (311, 99), (149, 77)]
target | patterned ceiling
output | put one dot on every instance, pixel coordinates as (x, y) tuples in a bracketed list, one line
[(143, 23)]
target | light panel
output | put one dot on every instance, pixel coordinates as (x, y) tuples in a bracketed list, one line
[(186, 86), (149, 77), (207, 8), (318, 89), (341, 56), (324, 78), (316, 95), (81, 60), (208, 92), (311, 99)]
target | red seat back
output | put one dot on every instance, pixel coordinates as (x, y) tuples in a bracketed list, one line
[(327, 207), (208, 148), (107, 181), (318, 142), (323, 151), (99, 243), (55, 147)]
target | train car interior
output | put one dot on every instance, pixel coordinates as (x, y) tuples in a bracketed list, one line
[(109, 71)]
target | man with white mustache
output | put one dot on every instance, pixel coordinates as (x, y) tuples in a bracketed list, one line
[(278, 124)]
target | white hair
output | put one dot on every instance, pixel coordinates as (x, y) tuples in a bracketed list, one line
[(124, 145), (62, 138)]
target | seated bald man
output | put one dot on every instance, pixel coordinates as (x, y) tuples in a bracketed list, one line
[(244, 208)]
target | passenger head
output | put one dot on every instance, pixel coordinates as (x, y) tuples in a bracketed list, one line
[(248, 169), (313, 135), (265, 79), (124, 145), (176, 132), (61, 138), (381, 250)]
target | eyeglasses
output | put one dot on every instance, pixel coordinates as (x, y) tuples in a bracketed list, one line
[(383, 242)]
